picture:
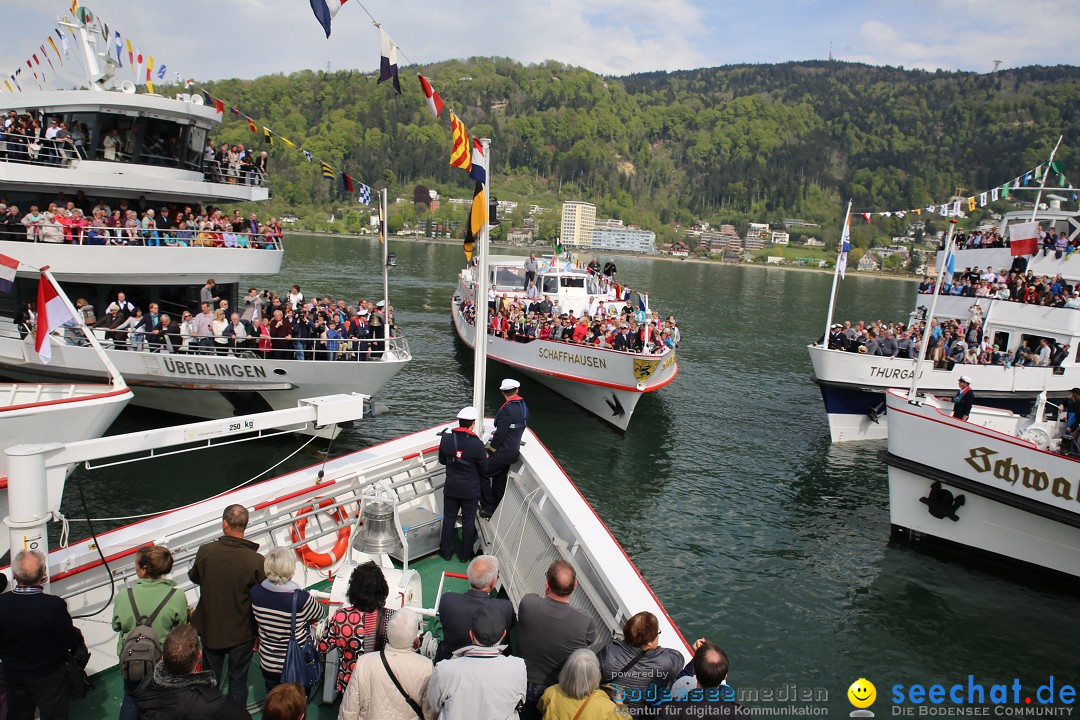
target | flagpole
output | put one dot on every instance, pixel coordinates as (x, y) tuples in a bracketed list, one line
[(1049, 163), (836, 275), (385, 233), (117, 378), (933, 309), (481, 321)]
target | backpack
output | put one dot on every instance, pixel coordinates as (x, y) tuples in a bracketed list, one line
[(141, 649)]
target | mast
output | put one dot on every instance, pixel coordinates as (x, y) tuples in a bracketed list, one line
[(845, 234), (481, 322), (1049, 163), (385, 242), (930, 315)]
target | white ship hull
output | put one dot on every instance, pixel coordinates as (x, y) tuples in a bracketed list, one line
[(543, 517), (852, 385), (54, 412), (206, 386), (1019, 501), (607, 383)]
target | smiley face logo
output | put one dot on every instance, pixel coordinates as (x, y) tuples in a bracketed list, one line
[(862, 693)]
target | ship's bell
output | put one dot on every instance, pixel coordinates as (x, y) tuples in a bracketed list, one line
[(377, 533)]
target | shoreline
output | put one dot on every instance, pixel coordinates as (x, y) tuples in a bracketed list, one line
[(662, 258)]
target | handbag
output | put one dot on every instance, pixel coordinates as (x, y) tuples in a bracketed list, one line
[(75, 661), (302, 664)]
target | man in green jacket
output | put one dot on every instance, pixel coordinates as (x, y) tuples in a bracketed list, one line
[(225, 570)]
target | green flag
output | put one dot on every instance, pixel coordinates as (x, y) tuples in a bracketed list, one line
[(1005, 190), (558, 246)]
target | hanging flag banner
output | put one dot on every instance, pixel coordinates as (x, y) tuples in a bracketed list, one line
[(478, 172), (327, 171), (325, 11), (346, 182), (388, 68), (1024, 238), (434, 102), (365, 194), (460, 155), (52, 314)]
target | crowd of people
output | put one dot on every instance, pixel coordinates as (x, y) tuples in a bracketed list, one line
[(181, 662), (267, 325), (1014, 285), (602, 323), (951, 342), (235, 165), (78, 221), (29, 139)]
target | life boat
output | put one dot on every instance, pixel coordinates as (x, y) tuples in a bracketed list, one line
[(317, 559)]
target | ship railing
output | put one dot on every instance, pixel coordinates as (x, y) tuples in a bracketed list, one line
[(648, 350), (13, 229), (34, 150), (271, 521), (300, 349)]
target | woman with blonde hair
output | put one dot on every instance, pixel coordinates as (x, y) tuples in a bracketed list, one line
[(218, 324), (273, 602)]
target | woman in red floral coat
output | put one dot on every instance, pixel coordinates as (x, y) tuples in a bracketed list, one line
[(359, 626)]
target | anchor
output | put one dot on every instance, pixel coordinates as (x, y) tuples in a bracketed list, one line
[(875, 412), (941, 502), (616, 406)]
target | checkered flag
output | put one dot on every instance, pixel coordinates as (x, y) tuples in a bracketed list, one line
[(365, 194)]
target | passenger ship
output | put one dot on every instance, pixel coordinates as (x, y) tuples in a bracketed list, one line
[(159, 162), (606, 382), (853, 385)]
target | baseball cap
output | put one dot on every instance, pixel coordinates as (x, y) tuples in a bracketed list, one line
[(488, 625)]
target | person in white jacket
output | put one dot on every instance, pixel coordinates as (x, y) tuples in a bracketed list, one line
[(371, 693)]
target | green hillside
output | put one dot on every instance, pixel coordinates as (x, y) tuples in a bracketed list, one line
[(730, 144)]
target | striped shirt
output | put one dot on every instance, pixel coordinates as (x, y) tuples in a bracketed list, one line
[(272, 606)]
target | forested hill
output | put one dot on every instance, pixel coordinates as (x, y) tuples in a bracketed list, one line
[(728, 144)]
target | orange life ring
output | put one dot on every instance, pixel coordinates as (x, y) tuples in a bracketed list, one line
[(316, 559)]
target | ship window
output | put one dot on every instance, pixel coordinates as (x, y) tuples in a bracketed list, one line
[(161, 143), (1001, 339), (508, 278), (551, 285), (193, 153), (572, 282), (120, 129)]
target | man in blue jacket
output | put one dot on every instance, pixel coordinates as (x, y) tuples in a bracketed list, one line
[(505, 445), (462, 452), (36, 635)]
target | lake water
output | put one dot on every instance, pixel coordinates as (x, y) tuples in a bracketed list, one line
[(725, 491)]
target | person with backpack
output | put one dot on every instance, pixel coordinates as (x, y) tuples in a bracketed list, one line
[(144, 613)]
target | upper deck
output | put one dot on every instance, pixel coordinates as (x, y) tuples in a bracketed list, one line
[(1066, 221), (131, 145)]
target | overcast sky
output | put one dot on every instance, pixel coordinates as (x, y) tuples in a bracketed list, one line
[(213, 39)]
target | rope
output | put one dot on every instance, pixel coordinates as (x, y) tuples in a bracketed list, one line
[(223, 492)]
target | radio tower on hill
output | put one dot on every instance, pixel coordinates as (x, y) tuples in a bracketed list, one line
[(830, 49)]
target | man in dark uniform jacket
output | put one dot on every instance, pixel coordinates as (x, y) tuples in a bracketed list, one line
[(462, 452), (504, 446), (963, 399), (456, 609)]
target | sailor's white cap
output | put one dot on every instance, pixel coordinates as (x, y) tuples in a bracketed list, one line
[(509, 384), (363, 313), (467, 413), (965, 379), (381, 303)]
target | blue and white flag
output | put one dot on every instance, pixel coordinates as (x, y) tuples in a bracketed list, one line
[(309, 156), (365, 194), (845, 246), (119, 48), (950, 264), (388, 66)]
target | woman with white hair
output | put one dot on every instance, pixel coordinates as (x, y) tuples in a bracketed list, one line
[(272, 605), (578, 694), (371, 693)]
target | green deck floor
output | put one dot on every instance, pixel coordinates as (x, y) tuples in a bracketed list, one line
[(104, 701)]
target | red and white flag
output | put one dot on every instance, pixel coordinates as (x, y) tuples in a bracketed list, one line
[(52, 314), (1024, 238), (434, 102), (8, 268)]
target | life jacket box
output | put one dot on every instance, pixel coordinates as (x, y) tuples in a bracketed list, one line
[(423, 531)]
